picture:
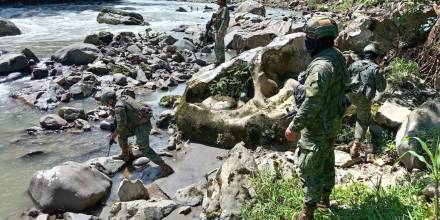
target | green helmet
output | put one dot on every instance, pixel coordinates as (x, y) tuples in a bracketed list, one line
[(371, 48), (107, 96), (319, 27)]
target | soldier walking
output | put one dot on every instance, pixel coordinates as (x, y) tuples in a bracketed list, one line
[(220, 20)]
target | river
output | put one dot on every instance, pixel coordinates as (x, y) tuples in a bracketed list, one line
[(45, 29)]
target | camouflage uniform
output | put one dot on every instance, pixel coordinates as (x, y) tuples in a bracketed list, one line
[(369, 78), (319, 119), (131, 121), (220, 21)]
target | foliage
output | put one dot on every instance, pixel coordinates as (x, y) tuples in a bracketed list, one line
[(278, 198), (433, 165), (233, 84), (403, 72)]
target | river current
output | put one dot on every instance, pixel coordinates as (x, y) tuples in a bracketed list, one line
[(46, 28)]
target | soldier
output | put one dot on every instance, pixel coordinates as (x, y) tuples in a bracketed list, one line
[(319, 117), (366, 79), (220, 20), (132, 119)]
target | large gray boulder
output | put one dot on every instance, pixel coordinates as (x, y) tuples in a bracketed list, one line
[(8, 28), (423, 122), (69, 187), (191, 195), (12, 63), (251, 7), (391, 115), (77, 54), (116, 17), (132, 190), (52, 122), (70, 114), (142, 209), (106, 165)]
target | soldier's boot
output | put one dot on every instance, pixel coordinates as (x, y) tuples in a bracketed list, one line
[(324, 204), (307, 213), (125, 155), (166, 170), (355, 149)]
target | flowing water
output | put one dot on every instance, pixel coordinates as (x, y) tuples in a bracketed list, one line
[(45, 29)]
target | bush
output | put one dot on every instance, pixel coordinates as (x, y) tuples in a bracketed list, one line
[(278, 198), (403, 72)]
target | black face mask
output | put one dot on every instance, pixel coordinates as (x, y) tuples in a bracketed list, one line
[(311, 45)]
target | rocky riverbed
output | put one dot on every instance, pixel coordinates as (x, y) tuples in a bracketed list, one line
[(55, 132)]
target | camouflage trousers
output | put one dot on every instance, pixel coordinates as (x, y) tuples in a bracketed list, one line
[(219, 49), (316, 167), (363, 115), (142, 133)]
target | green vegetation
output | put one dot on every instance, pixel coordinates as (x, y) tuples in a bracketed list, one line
[(403, 72), (234, 83), (278, 198), (433, 165)]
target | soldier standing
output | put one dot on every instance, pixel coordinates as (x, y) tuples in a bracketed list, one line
[(319, 118), (220, 20), (133, 119), (366, 79)]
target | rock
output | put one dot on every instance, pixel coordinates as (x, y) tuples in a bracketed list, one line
[(251, 7), (169, 40), (71, 114), (191, 195), (30, 55), (422, 121), (183, 44), (284, 58), (220, 103), (40, 73), (83, 125), (180, 9), (391, 115), (142, 209), (184, 210), (230, 186), (168, 101), (159, 64), (429, 191), (200, 62), (105, 37), (141, 76), (178, 57), (8, 28), (105, 125), (69, 187), (134, 49), (99, 68), (156, 193), (116, 17), (141, 161), (120, 79), (32, 154), (78, 216), (166, 118), (12, 63), (132, 190), (344, 160), (12, 77), (206, 49), (77, 54), (52, 122), (42, 217), (106, 165), (93, 39), (81, 90)]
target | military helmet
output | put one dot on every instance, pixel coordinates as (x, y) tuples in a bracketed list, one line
[(371, 48), (107, 96), (321, 27)]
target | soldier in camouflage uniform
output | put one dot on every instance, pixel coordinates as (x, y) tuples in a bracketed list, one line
[(319, 118), (220, 20), (366, 79), (132, 119)]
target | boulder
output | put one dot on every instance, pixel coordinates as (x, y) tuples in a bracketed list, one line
[(12, 63), (132, 190), (106, 165), (82, 124), (134, 49), (52, 122), (78, 216), (168, 101), (120, 79), (141, 76), (141, 161), (391, 115), (191, 195), (181, 9), (245, 79), (166, 118), (70, 114), (251, 7), (183, 44), (169, 40), (429, 191), (156, 193), (184, 210), (77, 54), (69, 187), (99, 68), (142, 209), (40, 73), (220, 103), (230, 186), (105, 37), (30, 55), (93, 39), (8, 28), (12, 77), (81, 90), (424, 123), (116, 17)]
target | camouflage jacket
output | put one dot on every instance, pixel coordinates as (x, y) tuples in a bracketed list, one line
[(220, 19), (325, 103), (129, 114), (366, 78)]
